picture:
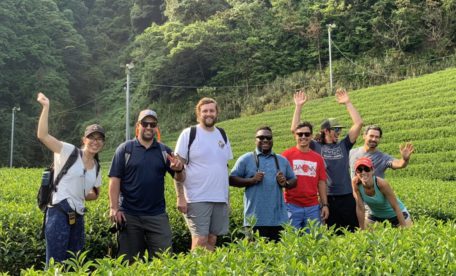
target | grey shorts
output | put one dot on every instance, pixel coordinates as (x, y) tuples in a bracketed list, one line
[(204, 218)]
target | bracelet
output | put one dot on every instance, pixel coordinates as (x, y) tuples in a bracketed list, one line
[(325, 205), (180, 170)]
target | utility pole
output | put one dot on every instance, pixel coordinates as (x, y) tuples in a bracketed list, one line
[(128, 67), (12, 134), (330, 26)]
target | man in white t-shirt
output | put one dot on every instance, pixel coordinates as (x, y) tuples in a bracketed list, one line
[(203, 196)]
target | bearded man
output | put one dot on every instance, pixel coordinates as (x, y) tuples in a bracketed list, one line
[(203, 196)]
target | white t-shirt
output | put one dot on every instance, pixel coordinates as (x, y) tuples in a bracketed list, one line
[(207, 173), (76, 183)]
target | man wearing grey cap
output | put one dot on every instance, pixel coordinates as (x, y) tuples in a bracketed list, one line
[(342, 206), (136, 190)]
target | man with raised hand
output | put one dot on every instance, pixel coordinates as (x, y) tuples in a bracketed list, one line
[(308, 201), (137, 190), (381, 161), (203, 196), (264, 174), (342, 206)]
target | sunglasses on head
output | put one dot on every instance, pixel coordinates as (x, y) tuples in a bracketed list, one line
[(360, 169), (150, 124), (336, 129), (264, 138), (306, 134)]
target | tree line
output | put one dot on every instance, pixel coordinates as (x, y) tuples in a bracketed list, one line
[(246, 54)]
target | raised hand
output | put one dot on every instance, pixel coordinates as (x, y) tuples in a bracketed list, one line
[(300, 98), (342, 96), (406, 150), (42, 99)]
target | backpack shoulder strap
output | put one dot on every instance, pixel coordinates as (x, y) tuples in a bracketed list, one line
[(128, 148), (70, 161), (163, 152), (222, 131), (257, 161), (97, 163), (191, 138), (276, 162)]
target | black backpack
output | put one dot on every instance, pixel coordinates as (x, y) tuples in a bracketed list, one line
[(49, 185), (193, 135)]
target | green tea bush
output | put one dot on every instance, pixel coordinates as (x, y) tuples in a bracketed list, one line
[(428, 248)]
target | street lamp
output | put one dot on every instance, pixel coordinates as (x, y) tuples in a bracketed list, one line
[(12, 134), (128, 67), (330, 26)]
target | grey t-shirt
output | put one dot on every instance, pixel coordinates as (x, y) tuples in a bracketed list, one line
[(381, 161), (337, 166)]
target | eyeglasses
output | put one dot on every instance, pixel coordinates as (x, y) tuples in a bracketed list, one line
[(264, 138), (98, 139), (150, 124), (300, 134), (336, 129), (360, 169)]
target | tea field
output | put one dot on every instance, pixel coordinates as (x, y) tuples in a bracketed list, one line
[(420, 110)]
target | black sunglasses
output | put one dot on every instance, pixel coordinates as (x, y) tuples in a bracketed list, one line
[(151, 124), (360, 169), (263, 138), (300, 134), (336, 129)]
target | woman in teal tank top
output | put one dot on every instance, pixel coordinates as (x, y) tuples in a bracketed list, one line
[(378, 195)]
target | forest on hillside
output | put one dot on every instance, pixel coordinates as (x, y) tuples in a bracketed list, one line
[(245, 53)]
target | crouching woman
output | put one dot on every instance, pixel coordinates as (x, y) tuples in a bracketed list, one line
[(378, 195), (64, 224)]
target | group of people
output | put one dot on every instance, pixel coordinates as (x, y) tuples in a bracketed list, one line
[(319, 179)]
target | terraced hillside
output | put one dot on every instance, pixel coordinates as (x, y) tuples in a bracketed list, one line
[(421, 110)]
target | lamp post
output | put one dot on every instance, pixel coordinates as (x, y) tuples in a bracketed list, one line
[(330, 26), (128, 67), (12, 134)]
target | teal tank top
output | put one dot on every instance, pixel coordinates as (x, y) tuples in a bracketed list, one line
[(379, 204)]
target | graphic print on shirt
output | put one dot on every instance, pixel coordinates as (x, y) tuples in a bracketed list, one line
[(330, 153), (305, 168)]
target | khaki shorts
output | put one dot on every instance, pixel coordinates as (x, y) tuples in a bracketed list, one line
[(204, 218)]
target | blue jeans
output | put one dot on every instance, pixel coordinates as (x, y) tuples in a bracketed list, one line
[(299, 216), (60, 235)]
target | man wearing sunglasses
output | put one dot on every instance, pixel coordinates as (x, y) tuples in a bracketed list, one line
[(308, 201), (381, 161), (137, 190), (263, 174), (342, 206)]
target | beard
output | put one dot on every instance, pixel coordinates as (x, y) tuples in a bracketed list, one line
[(372, 144), (147, 136), (209, 121)]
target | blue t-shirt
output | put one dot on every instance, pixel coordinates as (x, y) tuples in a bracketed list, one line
[(142, 183), (263, 200), (337, 165), (381, 161)]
